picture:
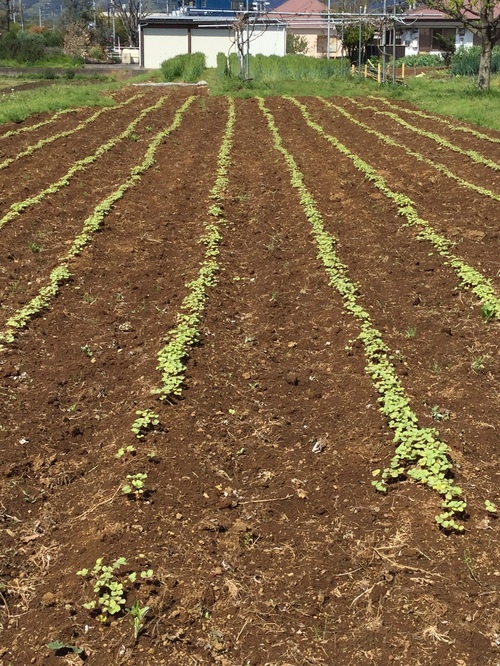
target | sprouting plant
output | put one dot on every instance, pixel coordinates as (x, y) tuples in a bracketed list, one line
[(146, 420), (477, 364), (109, 586), (134, 137), (88, 298), (274, 297), (87, 350), (137, 617), (125, 449), (136, 486), (439, 414), (110, 593), (34, 247), (490, 507), (410, 332), (488, 311)]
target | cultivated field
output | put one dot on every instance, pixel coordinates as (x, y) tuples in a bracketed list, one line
[(249, 358)]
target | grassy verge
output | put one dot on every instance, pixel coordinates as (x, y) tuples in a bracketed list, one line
[(16, 106)]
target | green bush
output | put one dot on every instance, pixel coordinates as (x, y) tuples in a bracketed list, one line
[(421, 60), (465, 61), (25, 47), (187, 67), (222, 66)]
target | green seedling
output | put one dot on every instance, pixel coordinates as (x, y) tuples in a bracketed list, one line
[(477, 364), (439, 414), (34, 247), (63, 648), (146, 420), (136, 486), (123, 450), (410, 332), (488, 311), (490, 507), (87, 351), (137, 617)]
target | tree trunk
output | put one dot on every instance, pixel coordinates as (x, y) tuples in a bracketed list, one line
[(485, 64), (485, 20)]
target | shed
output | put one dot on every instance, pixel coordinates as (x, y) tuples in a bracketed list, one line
[(164, 36)]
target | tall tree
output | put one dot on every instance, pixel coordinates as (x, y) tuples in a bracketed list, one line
[(482, 18), (5, 15), (129, 13)]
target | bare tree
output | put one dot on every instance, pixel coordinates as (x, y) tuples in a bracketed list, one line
[(129, 13)]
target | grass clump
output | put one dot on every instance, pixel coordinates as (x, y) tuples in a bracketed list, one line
[(185, 67)]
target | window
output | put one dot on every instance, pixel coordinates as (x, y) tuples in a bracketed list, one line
[(447, 34)]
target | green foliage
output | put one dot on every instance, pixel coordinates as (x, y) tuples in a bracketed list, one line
[(138, 614), (491, 507), (351, 39), (146, 420), (292, 68), (136, 486), (109, 586), (465, 61), (186, 67), (222, 68), (420, 60), (58, 646), (295, 44), (25, 47)]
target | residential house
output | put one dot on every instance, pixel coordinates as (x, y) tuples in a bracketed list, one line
[(307, 19)]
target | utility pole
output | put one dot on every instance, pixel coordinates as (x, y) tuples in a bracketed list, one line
[(328, 31)]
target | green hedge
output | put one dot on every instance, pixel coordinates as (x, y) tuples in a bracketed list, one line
[(185, 67)]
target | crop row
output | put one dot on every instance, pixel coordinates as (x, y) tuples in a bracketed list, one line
[(419, 453), (418, 156), (443, 121), (18, 207), (61, 273), (60, 135), (469, 277), (32, 128), (171, 358), (476, 157)]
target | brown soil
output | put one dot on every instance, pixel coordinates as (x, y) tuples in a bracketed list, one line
[(268, 543)]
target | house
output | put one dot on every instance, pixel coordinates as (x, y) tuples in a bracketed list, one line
[(419, 29), (163, 36), (307, 19)]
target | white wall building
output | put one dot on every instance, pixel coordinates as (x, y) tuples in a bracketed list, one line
[(163, 36), (420, 35)]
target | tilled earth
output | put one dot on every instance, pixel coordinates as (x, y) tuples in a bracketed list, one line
[(267, 541)]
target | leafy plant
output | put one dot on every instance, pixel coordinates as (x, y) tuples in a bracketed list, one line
[(410, 332), (108, 585), (59, 646), (490, 507), (146, 420), (136, 486)]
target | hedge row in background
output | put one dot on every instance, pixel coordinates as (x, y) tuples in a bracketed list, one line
[(186, 67)]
